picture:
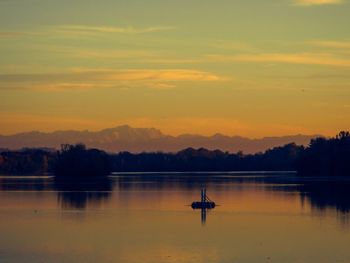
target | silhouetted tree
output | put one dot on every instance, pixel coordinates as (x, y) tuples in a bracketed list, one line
[(76, 160), (326, 157)]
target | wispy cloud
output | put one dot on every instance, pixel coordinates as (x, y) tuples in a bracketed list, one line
[(82, 79), (77, 31), (12, 34), (86, 30), (332, 44), (317, 2), (147, 74), (61, 86), (134, 56), (324, 59)]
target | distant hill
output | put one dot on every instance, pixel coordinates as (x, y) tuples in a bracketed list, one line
[(126, 138)]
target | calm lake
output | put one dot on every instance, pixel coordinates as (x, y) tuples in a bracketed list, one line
[(259, 217)]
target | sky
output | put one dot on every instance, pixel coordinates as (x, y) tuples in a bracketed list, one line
[(238, 67)]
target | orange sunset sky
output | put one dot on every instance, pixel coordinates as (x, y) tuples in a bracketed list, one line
[(252, 68)]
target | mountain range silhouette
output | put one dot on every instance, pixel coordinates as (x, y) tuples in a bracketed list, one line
[(126, 138)]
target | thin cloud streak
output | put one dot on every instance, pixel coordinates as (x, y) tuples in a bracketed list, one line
[(84, 29), (322, 59), (14, 34), (317, 2), (134, 56), (83, 79), (146, 74), (332, 44)]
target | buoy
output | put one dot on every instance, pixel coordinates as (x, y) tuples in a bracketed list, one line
[(205, 202)]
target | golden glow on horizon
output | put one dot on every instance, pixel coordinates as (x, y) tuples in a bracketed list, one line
[(174, 126)]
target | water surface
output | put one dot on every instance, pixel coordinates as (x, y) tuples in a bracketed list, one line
[(260, 217)]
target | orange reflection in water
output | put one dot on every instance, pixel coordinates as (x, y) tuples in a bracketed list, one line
[(150, 221)]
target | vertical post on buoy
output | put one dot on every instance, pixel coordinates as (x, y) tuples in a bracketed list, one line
[(203, 194)]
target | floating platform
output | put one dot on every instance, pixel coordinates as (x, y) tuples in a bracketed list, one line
[(203, 205), (205, 202)]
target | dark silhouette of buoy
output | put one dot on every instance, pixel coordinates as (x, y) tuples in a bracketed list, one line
[(204, 205), (205, 202)]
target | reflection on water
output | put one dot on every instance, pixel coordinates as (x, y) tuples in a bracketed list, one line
[(203, 215), (148, 218), (76, 193), (327, 194)]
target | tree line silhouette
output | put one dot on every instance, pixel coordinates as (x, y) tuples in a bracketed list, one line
[(326, 156), (279, 158), (26, 161), (322, 157)]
